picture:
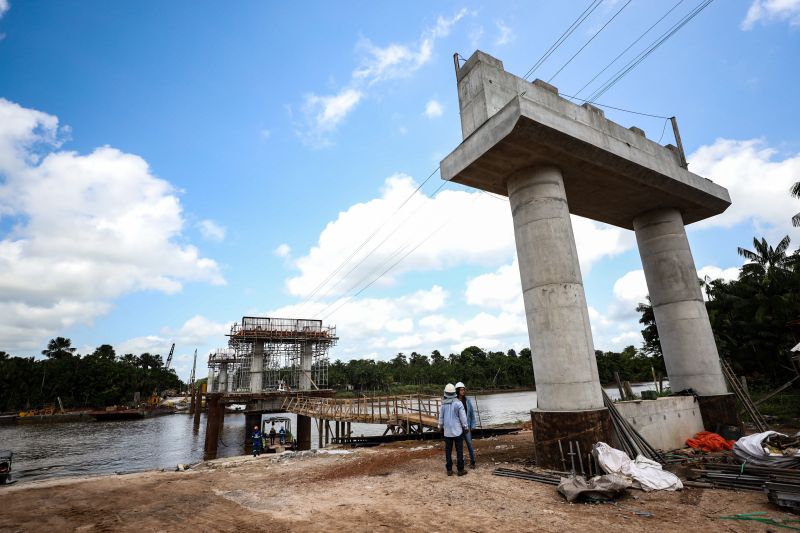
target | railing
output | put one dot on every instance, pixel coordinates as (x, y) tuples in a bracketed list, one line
[(414, 409)]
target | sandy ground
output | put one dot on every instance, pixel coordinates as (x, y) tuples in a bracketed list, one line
[(402, 486)]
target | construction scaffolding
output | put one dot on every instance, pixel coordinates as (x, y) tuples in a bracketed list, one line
[(273, 354)]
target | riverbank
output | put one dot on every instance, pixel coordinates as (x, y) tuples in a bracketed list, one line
[(401, 486)]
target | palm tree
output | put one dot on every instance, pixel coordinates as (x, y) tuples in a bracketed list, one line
[(767, 262), (58, 348), (795, 191)]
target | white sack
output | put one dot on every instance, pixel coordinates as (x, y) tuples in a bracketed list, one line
[(645, 474)]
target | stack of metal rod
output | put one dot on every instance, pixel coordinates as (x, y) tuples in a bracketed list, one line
[(529, 476), (591, 469), (630, 440), (746, 477)]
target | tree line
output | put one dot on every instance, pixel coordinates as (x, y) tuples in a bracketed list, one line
[(477, 368), (97, 379)]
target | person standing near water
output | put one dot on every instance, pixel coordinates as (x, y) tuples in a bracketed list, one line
[(453, 422), (257, 443), (461, 392)]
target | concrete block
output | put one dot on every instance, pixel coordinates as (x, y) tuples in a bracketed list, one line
[(665, 423)]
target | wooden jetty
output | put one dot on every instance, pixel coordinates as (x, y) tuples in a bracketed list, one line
[(401, 414)]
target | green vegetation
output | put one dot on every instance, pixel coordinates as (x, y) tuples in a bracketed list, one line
[(479, 369), (95, 380)]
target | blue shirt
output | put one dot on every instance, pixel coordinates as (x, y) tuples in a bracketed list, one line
[(452, 418)]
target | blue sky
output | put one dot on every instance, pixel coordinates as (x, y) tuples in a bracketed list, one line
[(167, 167)]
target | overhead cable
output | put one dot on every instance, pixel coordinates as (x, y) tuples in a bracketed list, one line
[(624, 71), (364, 243), (589, 41), (679, 2), (564, 36)]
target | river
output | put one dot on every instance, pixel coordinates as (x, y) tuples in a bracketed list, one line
[(91, 448)]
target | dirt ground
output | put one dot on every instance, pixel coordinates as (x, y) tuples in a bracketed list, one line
[(402, 486)]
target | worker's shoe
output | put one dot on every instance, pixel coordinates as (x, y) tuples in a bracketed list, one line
[(462, 473), (449, 472), (472, 466)]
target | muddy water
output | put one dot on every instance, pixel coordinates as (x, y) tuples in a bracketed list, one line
[(91, 448)]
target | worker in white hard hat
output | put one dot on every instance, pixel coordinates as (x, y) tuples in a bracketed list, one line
[(453, 423), (461, 394)]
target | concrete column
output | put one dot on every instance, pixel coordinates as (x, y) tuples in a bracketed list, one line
[(257, 368), (562, 350), (222, 386), (303, 432), (690, 353), (210, 387), (305, 364)]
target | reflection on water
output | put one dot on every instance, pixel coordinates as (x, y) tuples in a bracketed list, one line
[(85, 448)]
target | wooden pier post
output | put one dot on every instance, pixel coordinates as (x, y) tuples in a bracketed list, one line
[(212, 425), (303, 432), (327, 432), (198, 398), (320, 443)]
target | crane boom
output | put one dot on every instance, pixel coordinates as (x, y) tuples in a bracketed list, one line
[(169, 357), (194, 365)]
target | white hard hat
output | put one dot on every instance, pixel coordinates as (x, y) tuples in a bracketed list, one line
[(460, 385), (449, 388)]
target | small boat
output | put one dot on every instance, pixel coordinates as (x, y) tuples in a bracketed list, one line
[(5, 467)]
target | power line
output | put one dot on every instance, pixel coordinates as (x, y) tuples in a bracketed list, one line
[(386, 238), (612, 107), (589, 41), (564, 36), (368, 285), (649, 50), (369, 238), (679, 2)]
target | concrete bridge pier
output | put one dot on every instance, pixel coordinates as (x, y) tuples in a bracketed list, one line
[(570, 402), (222, 385), (690, 352), (257, 367)]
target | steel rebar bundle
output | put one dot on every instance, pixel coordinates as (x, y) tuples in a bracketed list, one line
[(631, 440)]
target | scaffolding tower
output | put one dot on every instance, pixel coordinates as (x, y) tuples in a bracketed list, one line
[(273, 354)]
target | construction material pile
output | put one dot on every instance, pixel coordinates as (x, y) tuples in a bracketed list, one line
[(769, 448), (707, 441)]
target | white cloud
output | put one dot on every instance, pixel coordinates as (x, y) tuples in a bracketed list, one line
[(462, 238), (283, 250), (769, 10), (506, 34), (475, 36), (265, 134), (500, 289), (714, 272), (401, 60), (84, 230), (198, 332), (4, 6), (433, 109), (211, 231), (758, 182), (619, 325), (323, 114)]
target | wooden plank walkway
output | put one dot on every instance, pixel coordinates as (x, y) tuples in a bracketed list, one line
[(422, 411)]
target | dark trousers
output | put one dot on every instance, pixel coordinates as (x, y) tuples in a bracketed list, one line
[(448, 453)]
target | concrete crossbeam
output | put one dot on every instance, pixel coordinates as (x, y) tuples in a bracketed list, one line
[(611, 173)]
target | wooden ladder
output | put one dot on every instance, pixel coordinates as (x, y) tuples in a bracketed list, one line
[(744, 398)]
